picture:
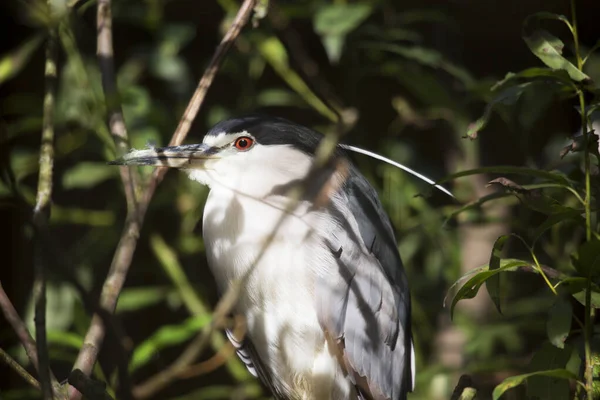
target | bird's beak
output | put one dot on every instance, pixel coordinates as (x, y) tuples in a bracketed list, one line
[(186, 156)]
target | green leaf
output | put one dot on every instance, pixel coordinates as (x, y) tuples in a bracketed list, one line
[(335, 21), (546, 74), (166, 336), (548, 48), (133, 299), (580, 297), (429, 57), (508, 96), (544, 387), (12, 63), (517, 380), (587, 260), (558, 324), (556, 218), (86, 175), (531, 172), (493, 282), (470, 289), (275, 54)]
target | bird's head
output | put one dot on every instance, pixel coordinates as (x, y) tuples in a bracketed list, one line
[(249, 154)]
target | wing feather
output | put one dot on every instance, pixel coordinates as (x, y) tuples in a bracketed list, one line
[(365, 304)]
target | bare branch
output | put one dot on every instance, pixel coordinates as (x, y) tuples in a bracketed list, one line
[(40, 213), (15, 321), (8, 360), (93, 390), (127, 244)]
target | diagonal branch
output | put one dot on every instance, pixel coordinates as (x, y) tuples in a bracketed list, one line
[(127, 244), (12, 363)]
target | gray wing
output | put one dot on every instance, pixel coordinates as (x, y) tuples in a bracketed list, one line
[(365, 305)]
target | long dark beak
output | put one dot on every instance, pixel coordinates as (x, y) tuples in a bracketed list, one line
[(190, 156)]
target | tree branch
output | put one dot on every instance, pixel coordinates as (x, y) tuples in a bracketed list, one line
[(127, 244), (40, 214), (8, 360)]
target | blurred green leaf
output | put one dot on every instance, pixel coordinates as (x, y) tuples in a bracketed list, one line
[(517, 380), (558, 324), (64, 338), (166, 336), (429, 57), (86, 175), (12, 63), (335, 21), (276, 55), (555, 177), (548, 48), (278, 98), (133, 299), (492, 284)]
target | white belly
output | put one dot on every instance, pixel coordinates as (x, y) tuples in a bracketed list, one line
[(277, 298)]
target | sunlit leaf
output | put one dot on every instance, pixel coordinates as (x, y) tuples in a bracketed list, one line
[(558, 324), (517, 380), (548, 48)]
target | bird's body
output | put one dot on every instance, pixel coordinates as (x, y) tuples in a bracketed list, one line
[(323, 293)]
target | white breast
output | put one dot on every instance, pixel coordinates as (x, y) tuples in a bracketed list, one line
[(278, 295)]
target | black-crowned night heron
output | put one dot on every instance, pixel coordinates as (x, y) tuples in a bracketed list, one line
[(325, 296)]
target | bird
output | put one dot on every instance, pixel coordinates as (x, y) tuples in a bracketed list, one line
[(324, 293)]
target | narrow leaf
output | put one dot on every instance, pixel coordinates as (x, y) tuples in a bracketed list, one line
[(493, 283), (470, 289), (535, 173), (558, 324), (12, 63), (517, 380), (166, 336)]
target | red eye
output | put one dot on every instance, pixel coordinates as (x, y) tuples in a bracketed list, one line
[(243, 143)]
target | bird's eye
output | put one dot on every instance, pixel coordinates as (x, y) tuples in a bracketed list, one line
[(243, 143)]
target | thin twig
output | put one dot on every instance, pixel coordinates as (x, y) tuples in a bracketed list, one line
[(42, 210), (15, 321), (123, 255), (22, 372), (127, 244)]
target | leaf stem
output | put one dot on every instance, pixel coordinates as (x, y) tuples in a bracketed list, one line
[(588, 331)]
